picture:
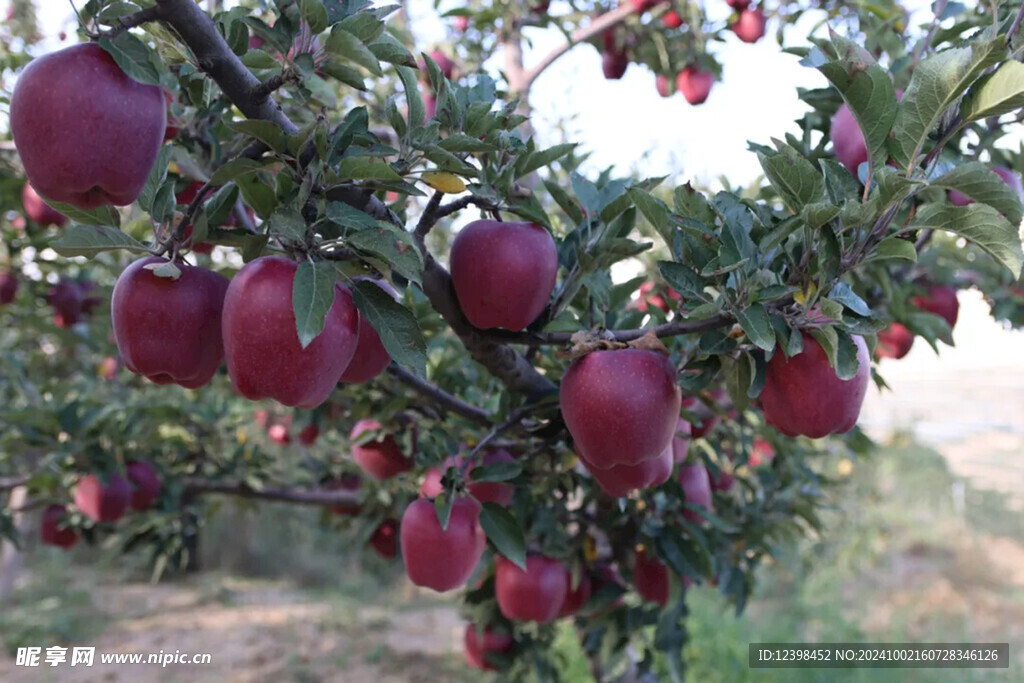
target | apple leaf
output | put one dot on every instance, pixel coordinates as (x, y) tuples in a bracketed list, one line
[(754, 321), (346, 216), (655, 211), (795, 178), (133, 56), (366, 168), (1001, 92), (363, 25), (528, 163), (288, 224), (842, 293), (313, 295), (980, 224), (929, 326), (102, 215), (504, 532), (497, 471), (233, 169), (683, 279), (443, 508), (264, 131), (979, 182), (893, 248), (397, 327), (343, 44), (685, 559), (847, 364), (315, 14), (156, 178), (89, 240)]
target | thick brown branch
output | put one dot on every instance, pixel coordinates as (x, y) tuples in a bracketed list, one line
[(311, 497), (670, 329), (446, 400)]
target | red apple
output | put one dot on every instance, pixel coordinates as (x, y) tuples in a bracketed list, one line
[(666, 87), (385, 539), (804, 395), (309, 434), (534, 595), (52, 530), (477, 648), (67, 299), (169, 330), (619, 480), (38, 210), (697, 489), (381, 459), (278, 433), (346, 482), (575, 598), (894, 341), (1011, 178), (87, 134), (461, 24), (738, 5), (438, 558), (103, 502), (671, 19), (761, 453), (444, 63), (695, 84), (614, 64), (146, 484), (940, 300), (723, 481), (681, 441), (749, 25), (8, 287), (503, 273), (621, 407), (370, 358), (261, 344), (540, 6), (644, 5), (651, 578), (499, 493)]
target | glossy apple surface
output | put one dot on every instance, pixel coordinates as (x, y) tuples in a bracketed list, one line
[(803, 395), (619, 480), (261, 343), (894, 341), (146, 484), (621, 407), (169, 330), (503, 272), (86, 133), (38, 210), (51, 529), (370, 358), (437, 558), (534, 595), (695, 84), (381, 459), (477, 646), (103, 502)]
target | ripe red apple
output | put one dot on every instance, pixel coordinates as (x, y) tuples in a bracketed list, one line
[(761, 453), (738, 5), (575, 598), (370, 358), (485, 492), (804, 395), (385, 539), (87, 134), (847, 139), (749, 25), (461, 24), (534, 595), (666, 86), (723, 481), (681, 441), (671, 19), (478, 647), (278, 433), (108, 368), (146, 482), (1011, 178), (614, 64), (697, 489), (444, 63), (309, 434), (346, 482), (619, 480), (38, 210), (103, 502), (67, 299), (648, 297), (261, 344), (940, 300), (894, 341), (52, 531), (651, 578), (381, 459), (8, 287), (621, 406), (169, 330), (644, 5), (540, 6), (503, 273), (438, 558), (695, 84)]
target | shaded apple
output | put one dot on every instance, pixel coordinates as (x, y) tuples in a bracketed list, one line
[(614, 64), (1011, 178), (803, 395), (103, 502), (695, 84), (52, 530), (169, 330), (940, 300), (761, 453), (261, 343), (381, 459), (441, 559), (666, 87), (648, 296), (621, 406), (749, 25), (536, 594), (651, 578), (681, 441), (894, 341), (309, 434), (278, 433), (146, 484), (697, 490), (478, 646), (671, 19), (67, 299), (385, 539), (619, 480), (118, 127), (8, 287), (370, 357), (722, 481), (38, 211), (575, 598)]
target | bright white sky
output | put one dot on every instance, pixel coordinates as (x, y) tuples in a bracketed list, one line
[(625, 123)]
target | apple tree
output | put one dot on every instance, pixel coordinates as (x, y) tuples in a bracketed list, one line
[(268, 251)]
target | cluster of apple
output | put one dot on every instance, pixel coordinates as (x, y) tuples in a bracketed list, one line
[(102, 502), (896, 340), (70, 299)]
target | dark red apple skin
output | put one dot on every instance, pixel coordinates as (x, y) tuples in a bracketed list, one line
[(803, 395), (749, 25), (380, 459), (476, 648), (103, 503), (697, 489), (87, 134), (8, 287), (614, 64), (644, 5), (940, 300), (146, 482), (695, 84), (576, 598), (461, 24), (261, 345), (722, 482), (67, 299), (619, 480), (346, 482), (436, 558), (50, 531), (894, 341), (309, 434), (169, 331), (847, 140), (651, 578), (621, 407), (738, 5), (385, 539), (278, 433), (1011, 178), (681, 441), (370, 358), (38, 211), (671, 19), (534, 595), (709, 419), (503, 273)]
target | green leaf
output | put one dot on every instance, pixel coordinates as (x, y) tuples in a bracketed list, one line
[(363, 25), (347, 216), (443, 508), (387, 49), (828, 340), (1001, 92), (366, 168), (893, 248), (847, 363), (264, 131), (543, 158), (393, 245), (232, 170), (458, 142), (156, 178), (982, 225), (345, 45), (397, 327), (655, 211), (755, 322), (795, 178), (818, 214), (847, 297), (504, 532), (312, 297), (315, 14), (102, 215), (683, 279), (497, 471), (133, 56), (981, 183), (89, 240), (288, 224)]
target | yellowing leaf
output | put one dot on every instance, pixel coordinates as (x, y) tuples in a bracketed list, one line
[(802, 297), (442, 181)]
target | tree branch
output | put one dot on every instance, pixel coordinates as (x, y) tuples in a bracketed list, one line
[(313, 497), (670, 329), (449, 401), (8, 483)]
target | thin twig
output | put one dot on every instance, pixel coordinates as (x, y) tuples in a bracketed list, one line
[(429, 218), (303, 497), (670, 329), (447, 400)]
